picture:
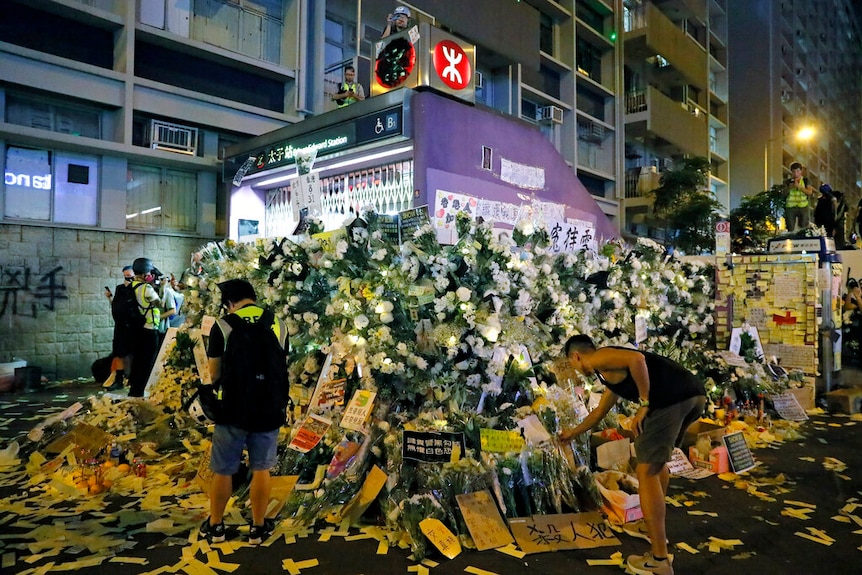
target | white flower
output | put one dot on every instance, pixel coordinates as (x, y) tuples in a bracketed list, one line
[(360, 322), (341, 248), (379, 255), (387, 317), (463, 293)]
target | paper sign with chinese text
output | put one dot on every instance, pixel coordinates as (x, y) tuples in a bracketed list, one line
[(541, 533), (310, 433), (500, 440), (431, 446), (483, 520), (439, 535), (358, 409), (84, 436)]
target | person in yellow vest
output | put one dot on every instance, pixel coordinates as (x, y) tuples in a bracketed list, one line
[(799, 191), (349, 91)]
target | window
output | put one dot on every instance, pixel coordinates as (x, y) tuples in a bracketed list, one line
[(589, 60), (45, 114), (51, 186), (250, 27), (161, 199), (546, 34), (340, 40)]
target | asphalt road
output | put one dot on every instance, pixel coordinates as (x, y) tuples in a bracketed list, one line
[(795, 513)]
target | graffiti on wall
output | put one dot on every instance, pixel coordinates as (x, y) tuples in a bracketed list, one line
[(23, 292)]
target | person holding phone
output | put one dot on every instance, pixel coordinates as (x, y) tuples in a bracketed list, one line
[(397, 21), (121, 351), (799, 191)]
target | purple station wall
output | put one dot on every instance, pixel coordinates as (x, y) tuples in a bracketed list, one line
[(449, 136)]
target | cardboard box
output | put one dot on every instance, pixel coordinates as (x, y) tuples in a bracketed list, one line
[(804, 395), (700, 429), (619, 506), (847, 400), (715, 460)]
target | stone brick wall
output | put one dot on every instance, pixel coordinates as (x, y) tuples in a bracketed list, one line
[(53, 311)]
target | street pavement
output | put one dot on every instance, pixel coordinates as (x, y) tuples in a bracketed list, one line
[(795, 513)]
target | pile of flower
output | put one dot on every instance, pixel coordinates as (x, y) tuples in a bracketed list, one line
[(452, 339)]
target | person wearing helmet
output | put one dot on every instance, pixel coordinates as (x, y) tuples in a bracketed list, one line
[(824, 210), (144, 340), (397, 21), (798, 192)]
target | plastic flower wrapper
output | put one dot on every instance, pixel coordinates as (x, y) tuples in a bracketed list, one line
[(413, 511), (446, 480)]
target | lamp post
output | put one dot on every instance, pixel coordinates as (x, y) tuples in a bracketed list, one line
[(803, 134)]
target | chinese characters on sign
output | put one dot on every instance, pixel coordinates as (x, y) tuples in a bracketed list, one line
[(358, 409), (540, 533), (432, 446), (23, 291)]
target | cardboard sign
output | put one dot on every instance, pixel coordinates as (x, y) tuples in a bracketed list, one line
[(483, 520), (500, 440), (680, 466), (740, 455), (204, 476), (327, 395), (200, 355), (282, 486), (542, 533), (358, 410), (788, 407), (86, 437), (439, 535), (159, 366), (374, 482), (432, 446), (207, 324), (310, 433)]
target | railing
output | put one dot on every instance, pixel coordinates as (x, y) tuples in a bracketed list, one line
[(636, 102), (634, 18), (387, 189), (173, 137)]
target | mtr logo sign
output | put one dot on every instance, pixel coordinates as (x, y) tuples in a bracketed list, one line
[(452, 65), (425, 56)]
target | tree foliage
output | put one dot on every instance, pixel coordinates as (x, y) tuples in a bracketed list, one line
[(759, 214), (687, 207)]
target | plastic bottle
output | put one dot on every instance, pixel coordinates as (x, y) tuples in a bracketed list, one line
[(115, 453)]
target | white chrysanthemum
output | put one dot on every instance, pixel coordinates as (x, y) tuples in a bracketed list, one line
[(463, 294), (360, 321)]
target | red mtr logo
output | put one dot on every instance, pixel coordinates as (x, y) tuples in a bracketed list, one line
[(452, 65)]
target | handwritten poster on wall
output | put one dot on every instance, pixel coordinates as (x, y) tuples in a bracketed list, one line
[(446, 207)]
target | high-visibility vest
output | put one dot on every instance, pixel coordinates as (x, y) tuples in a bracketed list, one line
[(797, 198), (345, 87)]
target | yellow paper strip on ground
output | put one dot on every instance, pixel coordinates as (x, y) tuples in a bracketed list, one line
[(8, 560), (477, 571), (132, 560), (418, 569), (226, 567), (613, 562), (708, 513), (841, 519), (382, 547), (812, 538), (430, 563), (289, 566), (687, 547), (820, 534), (800, 504), (212, 556), (512, 550)]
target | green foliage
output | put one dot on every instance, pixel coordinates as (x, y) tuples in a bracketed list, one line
[(759, 214), (687, 207)]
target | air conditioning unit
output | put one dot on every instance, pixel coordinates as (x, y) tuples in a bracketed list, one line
[(173, 137), (479, 80), (552, 114)]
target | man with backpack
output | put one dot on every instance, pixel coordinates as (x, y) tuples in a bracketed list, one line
[(141, 315), (247, 360), (120, 349)]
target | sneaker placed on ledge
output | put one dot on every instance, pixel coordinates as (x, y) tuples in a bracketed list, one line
[(257, 534), (212, 533), (646, 564)]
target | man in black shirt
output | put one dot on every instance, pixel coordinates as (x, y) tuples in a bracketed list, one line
[(670, 398)]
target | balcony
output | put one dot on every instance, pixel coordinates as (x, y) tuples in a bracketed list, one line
[(677, 127), (649, 33)]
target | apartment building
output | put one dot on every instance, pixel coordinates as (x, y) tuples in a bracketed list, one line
[(675, 99), (797, 64)]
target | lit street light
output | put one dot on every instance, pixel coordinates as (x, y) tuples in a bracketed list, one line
[(803, 134)]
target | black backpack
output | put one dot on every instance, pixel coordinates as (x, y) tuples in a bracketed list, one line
[(125, 309), (254, 374)]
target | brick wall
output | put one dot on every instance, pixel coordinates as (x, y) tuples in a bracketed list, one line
[(53, 311)]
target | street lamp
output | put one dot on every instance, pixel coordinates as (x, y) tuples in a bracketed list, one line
[(803, 134)]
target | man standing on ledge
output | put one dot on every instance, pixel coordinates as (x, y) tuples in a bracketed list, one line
[(670, 398), (397, 21), (349, 91), (799, 190)]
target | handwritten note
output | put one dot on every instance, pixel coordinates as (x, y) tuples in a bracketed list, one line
[(483, 520)]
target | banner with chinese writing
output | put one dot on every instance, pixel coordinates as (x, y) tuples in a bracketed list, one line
[(432, 446)]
